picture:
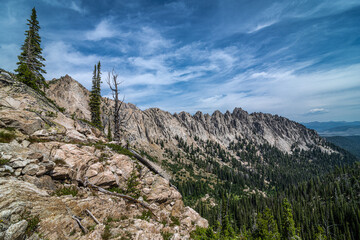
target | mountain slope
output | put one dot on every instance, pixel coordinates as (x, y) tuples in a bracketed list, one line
[(60, 179), (349, 143)]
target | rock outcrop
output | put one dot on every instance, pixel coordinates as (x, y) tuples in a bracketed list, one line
[(46, 155)]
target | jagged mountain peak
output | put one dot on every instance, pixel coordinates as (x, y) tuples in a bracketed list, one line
[(153, 123)]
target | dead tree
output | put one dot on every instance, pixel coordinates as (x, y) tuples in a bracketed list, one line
[(120, 119)]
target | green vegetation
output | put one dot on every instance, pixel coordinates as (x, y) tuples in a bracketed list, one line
[(349, 143), (30, 66), (33, 222), (145, 215), (50, 114), (7, 135), (103, 157), (175, 221), (149, 157), (119, 149), (166, 235), (247, 178), (106, 234), (95, 97), (72, 190), (131, 186), (88, 122), (109, 135), (3, 161)]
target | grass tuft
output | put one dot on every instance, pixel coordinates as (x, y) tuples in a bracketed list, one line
[(7, 136), (66, 191), (3, 161)]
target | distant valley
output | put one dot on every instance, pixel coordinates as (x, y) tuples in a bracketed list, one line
[(341, 128)]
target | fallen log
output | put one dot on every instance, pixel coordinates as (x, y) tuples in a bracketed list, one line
[(79, 223), (92, 216), (149, 166)]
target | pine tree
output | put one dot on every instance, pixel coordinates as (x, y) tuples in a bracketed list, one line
[(30, 66), (320, 235), (287, 222), (95, 97), (266, 227)]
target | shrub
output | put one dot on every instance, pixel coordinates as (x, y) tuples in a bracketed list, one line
[(106, 235), (119, 149), (145, 215), (72, 190), (7, 136), (175, 221), (32, 224), (166, 235), (50, 114), (131, 186), (3, 161)]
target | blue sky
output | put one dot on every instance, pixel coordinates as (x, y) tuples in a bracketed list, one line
[(299, 59)]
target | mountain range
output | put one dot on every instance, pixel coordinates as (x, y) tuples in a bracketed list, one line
[(227, 166)]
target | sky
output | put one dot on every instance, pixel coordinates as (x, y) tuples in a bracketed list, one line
[(298, 59)]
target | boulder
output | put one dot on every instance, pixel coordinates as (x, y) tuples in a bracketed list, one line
[(19, 163), (31, 169), (6, 170), (94, 170), (16, 231), (36, 155), (75, 136), (62, 173), (27, 122), (45, 167), (194, 217), (162, 192), (177, 208), (41, 133), (104, 179)]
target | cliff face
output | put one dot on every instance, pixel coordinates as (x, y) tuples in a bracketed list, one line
[(71, 95), (153, 124), (48, 159)]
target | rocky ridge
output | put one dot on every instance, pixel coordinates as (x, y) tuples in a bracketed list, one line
[(153, 125), (46, 155)]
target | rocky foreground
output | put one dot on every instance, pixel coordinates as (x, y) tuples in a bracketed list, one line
[(49, 165)]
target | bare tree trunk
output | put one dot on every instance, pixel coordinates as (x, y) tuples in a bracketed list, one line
[(120, 120), (116, 110)]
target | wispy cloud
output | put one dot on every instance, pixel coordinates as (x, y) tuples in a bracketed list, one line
[(317, 111), (74, 5), (291, 58)]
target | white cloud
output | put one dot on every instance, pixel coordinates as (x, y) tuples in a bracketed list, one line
[(104, 29), (318, 111), (62, 58), (152, 41)]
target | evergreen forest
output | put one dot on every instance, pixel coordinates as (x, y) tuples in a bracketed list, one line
[(239, 198)]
